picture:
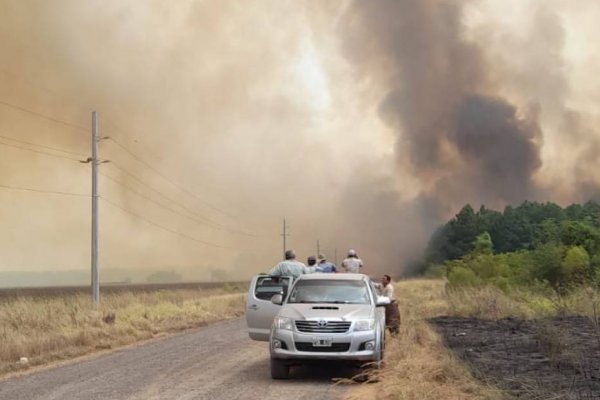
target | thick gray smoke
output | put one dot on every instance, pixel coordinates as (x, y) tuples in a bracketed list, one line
[(463, 140), (499, 146), (364, 123)]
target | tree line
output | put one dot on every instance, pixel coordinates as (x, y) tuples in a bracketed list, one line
[(528, 244)]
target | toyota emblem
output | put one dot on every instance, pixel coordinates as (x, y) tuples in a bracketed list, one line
[(322, 323)]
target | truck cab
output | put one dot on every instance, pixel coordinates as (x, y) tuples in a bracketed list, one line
[(316, 317)]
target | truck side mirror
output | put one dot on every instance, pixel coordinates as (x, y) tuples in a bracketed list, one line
[(277, 299)]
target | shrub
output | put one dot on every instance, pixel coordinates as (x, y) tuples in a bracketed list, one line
[(575, 265), (463, 277)]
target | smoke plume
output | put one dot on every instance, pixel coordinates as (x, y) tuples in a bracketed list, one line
[(365, 124), (450, 122)]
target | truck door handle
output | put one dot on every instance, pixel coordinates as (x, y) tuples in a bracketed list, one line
[(253, 307)]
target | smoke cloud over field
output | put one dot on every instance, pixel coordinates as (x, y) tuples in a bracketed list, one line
[(451, 124), (364, 123), (471, 107)]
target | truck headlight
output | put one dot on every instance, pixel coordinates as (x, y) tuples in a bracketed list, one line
[(283, 323), (364, 325)]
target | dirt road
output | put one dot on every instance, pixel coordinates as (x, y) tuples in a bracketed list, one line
[(214, 362)]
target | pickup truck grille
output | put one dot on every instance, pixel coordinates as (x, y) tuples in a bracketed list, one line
[(335, 347), (319, 327)]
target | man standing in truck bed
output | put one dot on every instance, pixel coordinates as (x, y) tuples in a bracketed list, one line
[(289, 267), (352, 263), (324, 265)]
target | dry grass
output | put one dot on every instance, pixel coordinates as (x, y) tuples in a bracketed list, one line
[(417, 365), (55, 328), (490, 302)]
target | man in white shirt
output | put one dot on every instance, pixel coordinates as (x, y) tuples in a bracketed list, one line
[(352, 263), (289, 267), (385, 288), (392, 313)]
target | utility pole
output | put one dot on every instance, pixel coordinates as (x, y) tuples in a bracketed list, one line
[(284, 235), (94, 160), (335, 256)]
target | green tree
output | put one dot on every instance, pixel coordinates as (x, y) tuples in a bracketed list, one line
[(591, 213), (462, 277), (454, 239), (436, 251), (576, 233), (462, 233), (547, 231), (521, 245), (483, 244), (487, 266), (546, 264), (575, 265)]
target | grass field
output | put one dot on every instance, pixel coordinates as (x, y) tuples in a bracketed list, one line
[(417, 364), (482, 343), (46, 329), (472, 343)]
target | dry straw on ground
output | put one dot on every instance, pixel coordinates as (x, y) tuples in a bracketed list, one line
[(55, 328), (417, 365)]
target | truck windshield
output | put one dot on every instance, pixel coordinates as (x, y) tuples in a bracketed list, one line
[(329, 291)]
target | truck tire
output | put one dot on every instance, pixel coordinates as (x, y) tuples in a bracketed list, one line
[(279, 369), (382, 348), (377, 363)]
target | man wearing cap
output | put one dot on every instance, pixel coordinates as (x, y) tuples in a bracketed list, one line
[(352, 263), (289, 266), (325, 266)]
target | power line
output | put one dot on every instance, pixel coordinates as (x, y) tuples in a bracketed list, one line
[(139, 181), (39, 152), (44, 116), (156, 202), (161, 226), (171, 181), (132, 154), (43, 146), (183, 207), (125, 149), (43, 191)]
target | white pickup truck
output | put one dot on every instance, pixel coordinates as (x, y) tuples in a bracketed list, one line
[(317, 316)]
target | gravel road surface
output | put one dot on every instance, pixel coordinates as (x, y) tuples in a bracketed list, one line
[(214, 362)]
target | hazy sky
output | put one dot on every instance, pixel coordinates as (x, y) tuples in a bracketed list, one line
[(365, 124)]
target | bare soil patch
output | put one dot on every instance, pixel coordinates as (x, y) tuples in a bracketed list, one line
[(555, 358)]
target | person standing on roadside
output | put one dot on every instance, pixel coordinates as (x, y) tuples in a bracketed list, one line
[(352, 263), (289, 266), (385, 287), (325, 266), (392, 312)]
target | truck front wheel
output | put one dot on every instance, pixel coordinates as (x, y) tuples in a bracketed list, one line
[(279, 369)]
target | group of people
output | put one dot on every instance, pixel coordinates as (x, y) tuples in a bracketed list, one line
[(352, 264), (292, 267)]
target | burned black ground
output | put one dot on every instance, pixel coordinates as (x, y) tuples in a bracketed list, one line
[(555, 358)]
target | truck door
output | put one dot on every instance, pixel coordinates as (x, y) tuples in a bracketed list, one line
[(259, 309)]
